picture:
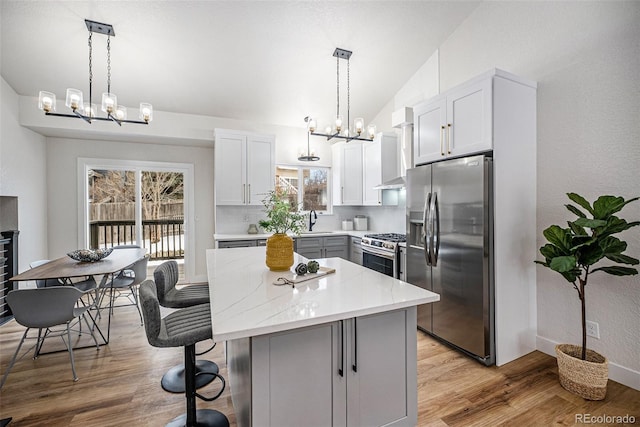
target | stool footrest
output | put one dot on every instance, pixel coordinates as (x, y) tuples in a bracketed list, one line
[(209, 374), (173, 380)]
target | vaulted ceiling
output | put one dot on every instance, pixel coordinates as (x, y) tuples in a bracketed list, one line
[(262, 61)]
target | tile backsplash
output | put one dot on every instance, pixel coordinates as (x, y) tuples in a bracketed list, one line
[(387, 219)]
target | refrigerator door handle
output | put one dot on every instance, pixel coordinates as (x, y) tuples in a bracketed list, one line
[(425, 228), (435, 241)]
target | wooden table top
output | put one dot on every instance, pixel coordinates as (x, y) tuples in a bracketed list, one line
[(66, 267)]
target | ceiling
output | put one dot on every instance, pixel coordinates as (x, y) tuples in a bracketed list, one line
[(261, 61)]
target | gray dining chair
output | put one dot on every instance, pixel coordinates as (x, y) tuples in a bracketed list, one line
[(46, 308), (125, 284), (44, 283)]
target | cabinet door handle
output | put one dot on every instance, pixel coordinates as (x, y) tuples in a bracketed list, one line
[(341, 369), (355, 345), (449, 138), (441, 136), (249, 194), (244, 193), (342, 194)]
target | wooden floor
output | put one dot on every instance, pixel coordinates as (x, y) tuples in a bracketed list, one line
[(120, 385)]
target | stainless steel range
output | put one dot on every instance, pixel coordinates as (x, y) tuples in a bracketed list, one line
[(380, 252)]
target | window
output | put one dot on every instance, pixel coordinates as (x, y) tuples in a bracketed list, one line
[(307, 187)]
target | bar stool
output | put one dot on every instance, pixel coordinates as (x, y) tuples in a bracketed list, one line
[(166, 277), (183, 328)]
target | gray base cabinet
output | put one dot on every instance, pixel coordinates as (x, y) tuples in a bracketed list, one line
[(323, 247), (355, 255), (355, 372)]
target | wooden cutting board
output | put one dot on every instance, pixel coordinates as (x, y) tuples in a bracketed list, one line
[(291, 278)]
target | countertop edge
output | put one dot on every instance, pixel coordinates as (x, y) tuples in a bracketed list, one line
[(246, 236), (249, 333)]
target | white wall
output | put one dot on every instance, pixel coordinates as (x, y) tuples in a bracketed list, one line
[(585, 57), (23, 174)]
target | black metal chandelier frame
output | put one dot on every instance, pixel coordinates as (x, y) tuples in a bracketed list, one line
[(106, 29), (340, 53)]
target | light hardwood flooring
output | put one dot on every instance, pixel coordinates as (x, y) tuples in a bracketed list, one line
[(120, 385)]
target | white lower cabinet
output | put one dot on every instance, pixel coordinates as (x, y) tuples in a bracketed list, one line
[(355, 372)]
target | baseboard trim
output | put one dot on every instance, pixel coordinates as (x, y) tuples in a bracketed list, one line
[(618, 373)]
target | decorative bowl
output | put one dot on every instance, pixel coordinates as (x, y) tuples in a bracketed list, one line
[(89, 255)]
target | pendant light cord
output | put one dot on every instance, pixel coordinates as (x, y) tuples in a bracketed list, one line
[(90, 71), (109, 65)]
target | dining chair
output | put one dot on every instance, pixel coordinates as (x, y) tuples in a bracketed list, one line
[(44, 283), (46, 308), (125, 284)]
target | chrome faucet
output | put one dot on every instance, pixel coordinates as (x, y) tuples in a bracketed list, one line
[(315, 217)]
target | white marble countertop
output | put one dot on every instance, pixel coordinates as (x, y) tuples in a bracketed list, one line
[(247, 236), (245, 303)]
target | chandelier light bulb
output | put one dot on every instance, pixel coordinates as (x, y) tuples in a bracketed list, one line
[(371, 131), (121, 113), (328, 130), (109, 103), (146, 112), (89, 110), (358, 125), (312, 124), (46, 101), (338, 123), (74, 99)]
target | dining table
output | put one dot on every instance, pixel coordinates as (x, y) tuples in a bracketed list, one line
[(66, 269)]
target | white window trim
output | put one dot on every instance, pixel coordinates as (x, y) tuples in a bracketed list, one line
[(187, 169)]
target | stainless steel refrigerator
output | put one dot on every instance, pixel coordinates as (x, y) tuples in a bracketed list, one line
[(450, 251)]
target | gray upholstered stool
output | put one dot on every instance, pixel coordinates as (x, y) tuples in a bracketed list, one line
[(182, 328), (166, 278)]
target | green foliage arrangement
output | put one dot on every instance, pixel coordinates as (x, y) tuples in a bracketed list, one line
[(574, 250), (282, 215)]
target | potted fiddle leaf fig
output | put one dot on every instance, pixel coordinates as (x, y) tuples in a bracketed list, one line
[(573, 252), (282, 217)]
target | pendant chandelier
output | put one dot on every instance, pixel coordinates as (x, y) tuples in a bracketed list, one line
[(339, 130), (309, 156), (87, 110)]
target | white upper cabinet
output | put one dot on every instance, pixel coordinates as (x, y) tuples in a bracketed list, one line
[(347, 173), (244, 167), (455, 123), (380, 164)]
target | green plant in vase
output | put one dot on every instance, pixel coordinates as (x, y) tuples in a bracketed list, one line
[(572, 252), (282, 217)]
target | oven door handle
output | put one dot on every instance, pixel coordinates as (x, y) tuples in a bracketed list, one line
[(425, 228), (379, 253)]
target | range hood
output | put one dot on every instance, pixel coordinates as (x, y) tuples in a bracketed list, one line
[(403, 119), (392, 184)]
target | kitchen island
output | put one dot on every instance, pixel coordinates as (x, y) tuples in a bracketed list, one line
[(333, 351)]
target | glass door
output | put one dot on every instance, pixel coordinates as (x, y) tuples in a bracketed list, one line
[(132, 206)]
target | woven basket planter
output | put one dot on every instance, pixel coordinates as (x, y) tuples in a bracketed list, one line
[(279, 252), (585, 378)]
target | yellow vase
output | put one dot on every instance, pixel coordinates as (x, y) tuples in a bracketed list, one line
[(279, 252)]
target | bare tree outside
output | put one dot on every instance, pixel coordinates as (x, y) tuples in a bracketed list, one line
[(112, 195), (160, 188)]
